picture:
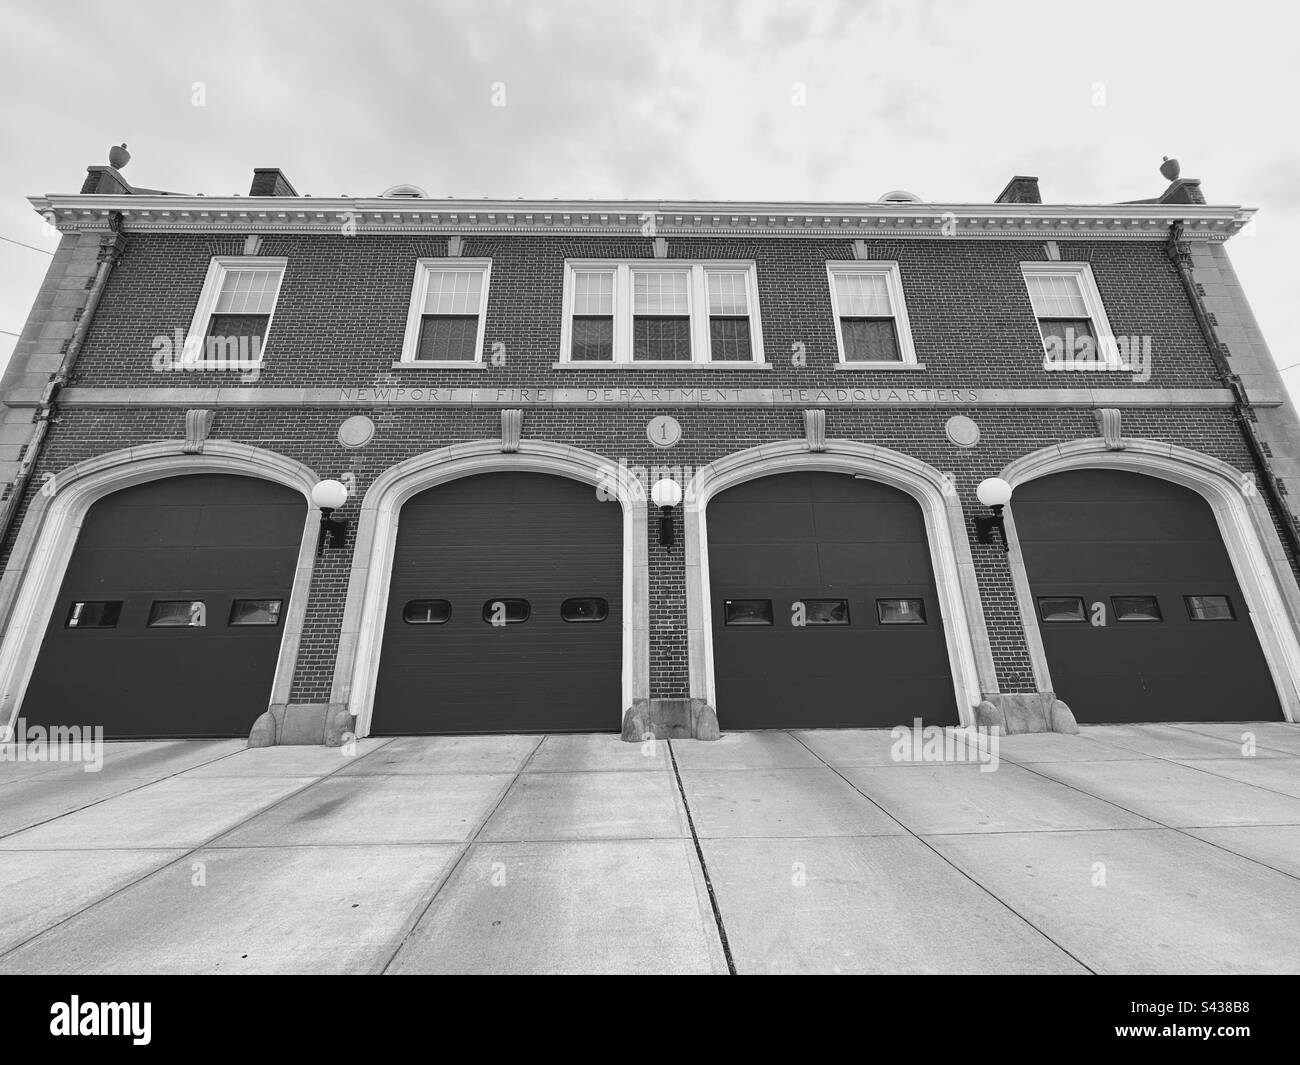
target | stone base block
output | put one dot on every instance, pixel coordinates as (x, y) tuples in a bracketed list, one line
[(1021, 712), (670, 719), (286, 724)]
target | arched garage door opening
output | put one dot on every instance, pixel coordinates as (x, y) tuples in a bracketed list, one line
[(1141, 614), (823, 606), (170, 616), (504, 611)]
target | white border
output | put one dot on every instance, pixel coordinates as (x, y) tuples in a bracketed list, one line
[(1258, 558), (34, 572), (969, 652), (697, 301), (423, 268), (194, 353), (898, 304), (356, 666)]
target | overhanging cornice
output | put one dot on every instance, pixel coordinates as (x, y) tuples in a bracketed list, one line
[(72, 213)]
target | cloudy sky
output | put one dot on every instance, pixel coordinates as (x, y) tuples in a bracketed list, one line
[(679, 99)]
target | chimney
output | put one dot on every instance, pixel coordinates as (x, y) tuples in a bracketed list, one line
[(1020, 190), (270, 181)]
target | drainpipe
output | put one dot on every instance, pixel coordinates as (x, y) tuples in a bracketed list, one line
[(1241, 408), (48, 407)]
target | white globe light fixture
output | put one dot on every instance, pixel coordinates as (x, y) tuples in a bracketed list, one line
[(666, 494), (995, 494), (329, 496)]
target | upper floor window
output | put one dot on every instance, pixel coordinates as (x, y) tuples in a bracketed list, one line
[(448, 316), (1071, 318), (233, 318), (871, 324), (660, 311)]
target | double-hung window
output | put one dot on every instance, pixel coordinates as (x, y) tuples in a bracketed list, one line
[(447, 321), (1070, 315), (661, 312), (232, 321), (871, 326)]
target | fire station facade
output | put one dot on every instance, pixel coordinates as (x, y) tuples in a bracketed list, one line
[(294, 467)]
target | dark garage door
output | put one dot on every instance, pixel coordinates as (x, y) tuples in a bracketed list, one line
[(1145, 556), (854, 553), (505, 610), (169, 619)]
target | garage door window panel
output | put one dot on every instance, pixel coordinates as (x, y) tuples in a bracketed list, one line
[(427, 612), (1210, 608), (583, 611), (900, 611), (255, 612), (826, 612), (94, 614), (1136, 608), (178, 613), (502, 612), (1062, 609), (747, 612)]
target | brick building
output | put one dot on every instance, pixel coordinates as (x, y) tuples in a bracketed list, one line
[(522, 383)]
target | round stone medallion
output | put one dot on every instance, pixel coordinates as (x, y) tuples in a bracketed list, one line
[(664, 431), (356, 431), (962, 431)]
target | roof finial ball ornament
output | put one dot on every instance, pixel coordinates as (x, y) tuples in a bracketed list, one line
[(118, 156), (1170, 169)]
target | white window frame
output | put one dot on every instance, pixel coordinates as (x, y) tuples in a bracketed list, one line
[(697, 293), (195, 350), (424, 268), (1091, 301), (893, 276)]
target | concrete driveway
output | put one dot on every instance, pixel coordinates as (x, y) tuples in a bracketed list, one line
[(1128, 849)]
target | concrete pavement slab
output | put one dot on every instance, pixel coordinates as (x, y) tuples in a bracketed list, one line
[(845, 747), (961, 798), (1153, 901), (1275, 735), (1176, 795), (879, 904), (261, 910), (1166, 741), (45, 797), (744, 750), (1059, 747), (1272, 774), (433, 808), (291, 761), (551, 806), (421, 755), (41, 888), (591, 906), (170, 813), (1277, 846), (597, 753), (781, 802), (143, 760)]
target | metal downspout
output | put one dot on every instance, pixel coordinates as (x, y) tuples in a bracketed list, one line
[(1241, 408), (48, 407)]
